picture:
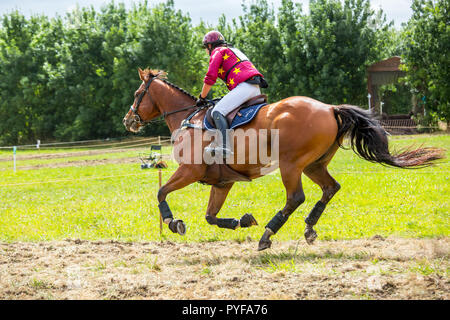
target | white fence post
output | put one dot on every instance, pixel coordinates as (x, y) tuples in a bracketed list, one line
[(14, 157)]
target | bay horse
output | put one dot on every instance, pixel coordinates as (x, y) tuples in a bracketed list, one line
[(309, 132)]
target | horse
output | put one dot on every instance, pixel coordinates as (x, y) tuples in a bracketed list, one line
[(309, 134)]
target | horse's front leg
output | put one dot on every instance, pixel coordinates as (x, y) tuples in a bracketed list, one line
[(182, 177), (216, 199)]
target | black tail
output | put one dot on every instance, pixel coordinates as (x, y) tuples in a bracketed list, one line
[(369, 140)]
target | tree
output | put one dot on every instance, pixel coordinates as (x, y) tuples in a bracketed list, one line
[(427, 61), (26, 48), (73, 77), (339, 42), (258, 37)]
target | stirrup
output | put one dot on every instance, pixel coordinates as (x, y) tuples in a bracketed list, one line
[(218, 150)]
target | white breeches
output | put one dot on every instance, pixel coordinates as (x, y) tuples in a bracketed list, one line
[(233, 99)]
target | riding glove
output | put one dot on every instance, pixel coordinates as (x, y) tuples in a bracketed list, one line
[(201, 102)]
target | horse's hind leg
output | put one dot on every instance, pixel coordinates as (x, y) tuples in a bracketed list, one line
[(216, 199), (319, 174), (292, 180)]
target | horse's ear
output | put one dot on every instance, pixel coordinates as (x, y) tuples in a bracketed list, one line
[(141, 74)]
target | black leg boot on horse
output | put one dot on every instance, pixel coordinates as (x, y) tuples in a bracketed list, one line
[(175, 225), (216, 200), (295, 197), (319, 174), (221, 124), (182, 177)]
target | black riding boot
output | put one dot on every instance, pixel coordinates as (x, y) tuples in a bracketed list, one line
[(222, 125)]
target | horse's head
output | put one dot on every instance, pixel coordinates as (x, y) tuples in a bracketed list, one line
[(143, 108)]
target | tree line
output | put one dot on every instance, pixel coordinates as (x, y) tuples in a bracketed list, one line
[(73, 77)]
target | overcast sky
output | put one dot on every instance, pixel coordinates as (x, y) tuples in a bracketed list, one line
[(207, 10)]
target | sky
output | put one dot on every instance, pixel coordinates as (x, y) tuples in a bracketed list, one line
[(208, 10)]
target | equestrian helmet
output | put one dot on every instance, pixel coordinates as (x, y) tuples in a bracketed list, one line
[(213, 37)]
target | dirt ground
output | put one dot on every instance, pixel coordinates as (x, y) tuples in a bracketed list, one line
[(46, 156), (373, 268), (81, 163), (77, 163)]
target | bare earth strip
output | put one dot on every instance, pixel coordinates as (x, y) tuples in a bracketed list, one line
[(47, 156), (374, 268), (85, 163), (81, 163)]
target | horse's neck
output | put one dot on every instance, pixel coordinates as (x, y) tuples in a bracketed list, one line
[(171, 99)]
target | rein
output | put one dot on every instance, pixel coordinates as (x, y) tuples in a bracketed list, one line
[(165, 114)]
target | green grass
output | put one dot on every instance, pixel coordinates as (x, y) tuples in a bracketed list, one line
[(118, 201), (427, 268)]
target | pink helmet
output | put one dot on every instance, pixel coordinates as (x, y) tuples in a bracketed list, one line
[(213, 37)]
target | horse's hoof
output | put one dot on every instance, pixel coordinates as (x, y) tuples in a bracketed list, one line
[(264, 244), (247, 221), (178, 226), (310, 235), (181, 228)]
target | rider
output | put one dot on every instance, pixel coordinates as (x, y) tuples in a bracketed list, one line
[(240, 75)]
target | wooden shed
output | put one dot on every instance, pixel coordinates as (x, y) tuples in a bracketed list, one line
[(381, 73)]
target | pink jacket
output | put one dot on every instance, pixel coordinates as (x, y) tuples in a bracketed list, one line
[(232, 64)]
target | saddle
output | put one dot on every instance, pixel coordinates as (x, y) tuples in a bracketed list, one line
[(262, 98)]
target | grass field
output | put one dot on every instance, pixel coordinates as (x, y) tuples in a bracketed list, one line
[(118, 201)]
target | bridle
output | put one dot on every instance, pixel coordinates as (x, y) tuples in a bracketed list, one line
[(137, 117)]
